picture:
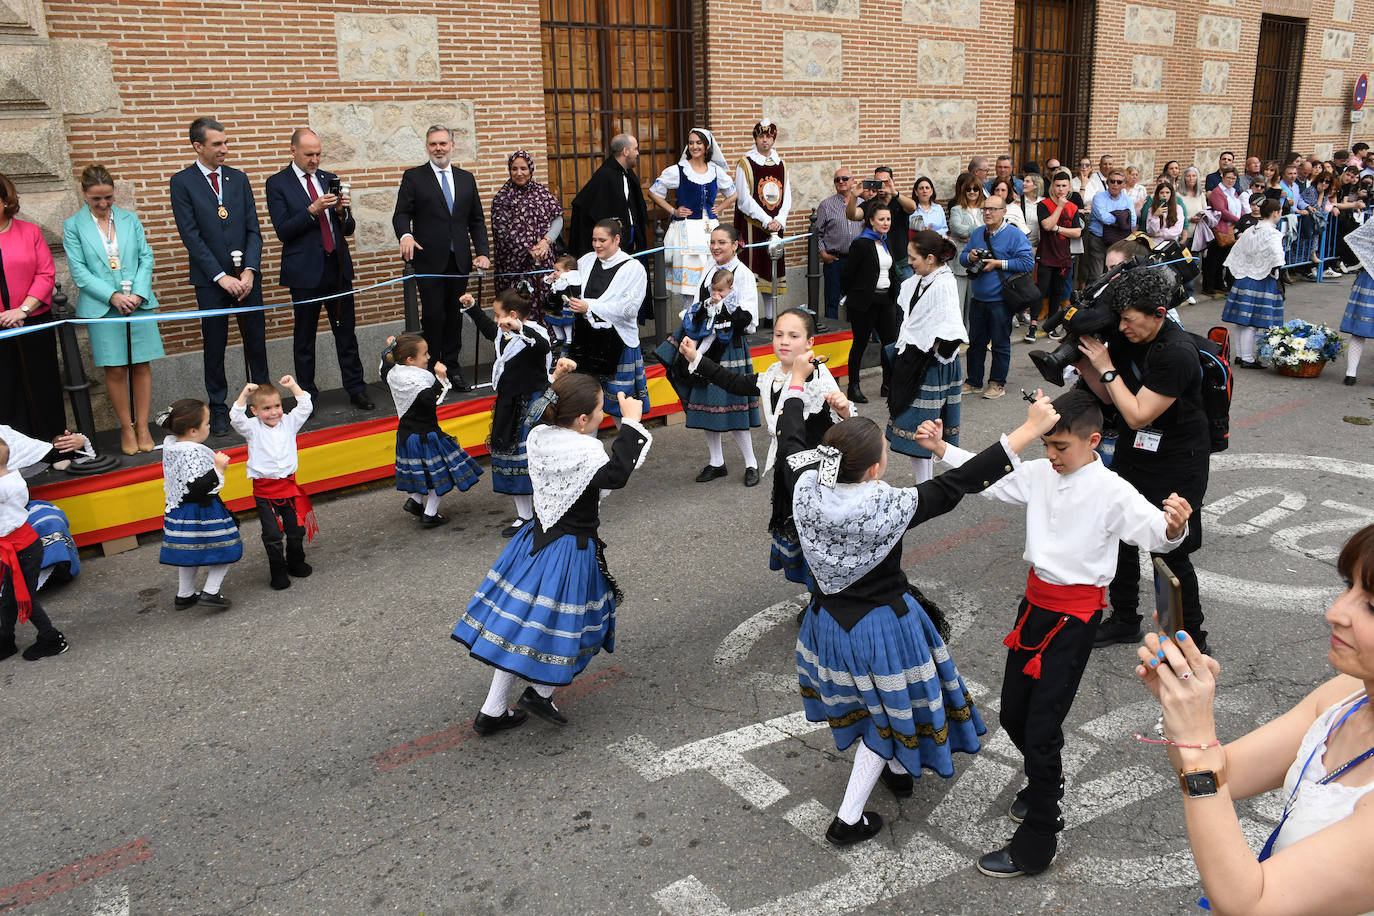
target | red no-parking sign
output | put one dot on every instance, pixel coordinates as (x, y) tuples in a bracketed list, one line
[(1361, 89)]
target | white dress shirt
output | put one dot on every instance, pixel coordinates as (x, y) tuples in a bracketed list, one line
[(14, 503), (307, 179), (271, 449), (1073, 521)]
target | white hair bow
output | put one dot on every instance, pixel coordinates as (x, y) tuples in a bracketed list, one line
[(826, 458)]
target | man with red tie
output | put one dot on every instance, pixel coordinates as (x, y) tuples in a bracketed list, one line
[(439, 223), (217, 219), (313, 224)]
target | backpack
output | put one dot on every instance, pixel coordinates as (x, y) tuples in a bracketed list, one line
[(1218, 383)]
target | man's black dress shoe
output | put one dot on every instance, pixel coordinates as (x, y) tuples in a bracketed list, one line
[(360, 400)]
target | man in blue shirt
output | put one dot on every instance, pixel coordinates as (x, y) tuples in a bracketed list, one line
[(1000, 249), (1004, 173), (1112, 219)]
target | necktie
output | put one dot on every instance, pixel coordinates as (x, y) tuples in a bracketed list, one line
[(214, 182), (448, 190), (326, 234)]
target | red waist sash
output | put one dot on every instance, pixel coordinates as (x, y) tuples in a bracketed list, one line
[(285, 489), (10, 545), (1080, 602)]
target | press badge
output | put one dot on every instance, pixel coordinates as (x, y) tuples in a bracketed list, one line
[(1148, 439)]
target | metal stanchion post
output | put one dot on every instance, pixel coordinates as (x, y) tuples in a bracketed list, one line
[(813, 268), (411, 295), (660, 265), (78, 388)]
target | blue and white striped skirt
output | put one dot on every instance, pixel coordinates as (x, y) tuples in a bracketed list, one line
[(61, 561), (786, 554), (433, 462), (940, 398), (1254, 303), (890, 681), (1359, 311), (510, 471), (629, 378), (713, 408), (196, 535), (542, 616)]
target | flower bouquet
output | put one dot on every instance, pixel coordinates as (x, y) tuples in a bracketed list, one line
[(1298, 348)]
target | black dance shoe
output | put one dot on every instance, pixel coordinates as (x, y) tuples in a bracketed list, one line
[(711, 472), (751, 477), (433, 521), (999, 865), (46, 646), (8, 649), (514, 527), (182, 604), (1349, 380), (215, 602), (900, 784), (413, 508), (842, 834), (489, 725), (541, 707), (1018, 811)]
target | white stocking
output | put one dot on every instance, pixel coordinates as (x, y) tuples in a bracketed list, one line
[(186, 581), (416, 498), (524, 507), (895, 766), (544, 690), (714, 450), (432, 503), (923, 468), (215, 578), (868, 766), (501, 682), (745, 443), (1245, 344), (1354, 349)]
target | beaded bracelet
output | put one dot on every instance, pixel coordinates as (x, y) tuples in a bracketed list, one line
[(1196, 747)]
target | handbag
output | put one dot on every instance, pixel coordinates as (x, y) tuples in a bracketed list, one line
[(1018, 290)]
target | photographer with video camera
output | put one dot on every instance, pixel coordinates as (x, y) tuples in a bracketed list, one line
[(992, 257), (1147, 367)]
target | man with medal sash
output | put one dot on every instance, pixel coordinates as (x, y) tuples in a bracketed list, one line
[(765, 200), (217, 219)]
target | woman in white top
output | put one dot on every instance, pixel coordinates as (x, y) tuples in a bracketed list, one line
[(1134, 189), (698, 178), (1193, 197), (1319, 752)]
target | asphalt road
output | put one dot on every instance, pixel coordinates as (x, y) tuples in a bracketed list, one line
[(309, 751)]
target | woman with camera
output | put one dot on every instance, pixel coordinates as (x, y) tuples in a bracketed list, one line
[(1318, 754), (869, 279)]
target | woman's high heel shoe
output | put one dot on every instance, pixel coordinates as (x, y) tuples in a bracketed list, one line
[(128, 442)]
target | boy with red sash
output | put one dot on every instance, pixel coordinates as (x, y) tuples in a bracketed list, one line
[(1076, 512), (283, 507), (21, 556)]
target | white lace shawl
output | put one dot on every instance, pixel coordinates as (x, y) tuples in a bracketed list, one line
[(407, 383), (934, 313), (183, 462), (1256, 253), (562, 464), (1361, 241), (773, 383), (847, 530), (511, 345)]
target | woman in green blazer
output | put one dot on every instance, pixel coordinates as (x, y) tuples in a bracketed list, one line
[(108, 254)]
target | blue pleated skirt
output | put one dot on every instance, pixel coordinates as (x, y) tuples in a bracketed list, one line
[(1254, 303), (435, 462), (61, 560), (510, 471), (713, 408), (629, 379), (196, 535), (940, 398), (542, 616), (890, 681), (785, 554), (1359, 311)]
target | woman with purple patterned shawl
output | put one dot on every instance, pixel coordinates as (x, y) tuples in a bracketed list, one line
[(526, 219)]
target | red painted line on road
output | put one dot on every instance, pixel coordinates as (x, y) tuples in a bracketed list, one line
[(457, 734), (958, 539), (1264, 416), (64, 879)]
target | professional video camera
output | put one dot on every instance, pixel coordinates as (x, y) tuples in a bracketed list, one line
[(1090, 312)]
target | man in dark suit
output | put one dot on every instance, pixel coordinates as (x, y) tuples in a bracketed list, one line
[(217, 218), (313, 225), (439, 222)]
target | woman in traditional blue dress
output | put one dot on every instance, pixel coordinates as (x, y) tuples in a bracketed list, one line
[(698, 178), (1256, 300), (548, 604), (1358, 320), (870, 661)]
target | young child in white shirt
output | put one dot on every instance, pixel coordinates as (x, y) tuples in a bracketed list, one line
[(21, 556), (1076, 512), (283, 508)]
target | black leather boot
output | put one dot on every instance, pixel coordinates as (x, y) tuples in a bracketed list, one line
[(295, 559), (276, 564)]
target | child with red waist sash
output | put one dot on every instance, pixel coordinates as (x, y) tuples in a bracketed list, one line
[(1076, 512), (284, 510), (21, 556)]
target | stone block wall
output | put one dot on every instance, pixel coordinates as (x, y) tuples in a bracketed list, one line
[(1339, 36)]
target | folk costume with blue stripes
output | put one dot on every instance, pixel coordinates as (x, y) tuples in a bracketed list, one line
[(927, 374), (520, 372), (197, 529), (720, 329), (613, 289), (428, 460), (1358, 320)]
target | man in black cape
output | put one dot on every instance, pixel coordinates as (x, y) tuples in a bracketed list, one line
[(612, 191)]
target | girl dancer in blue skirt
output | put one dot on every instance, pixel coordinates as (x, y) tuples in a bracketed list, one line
[(197, 529), (869, 660), (548, 605), (429, 462), (926, 372), (520, 372), (823, 405), (1256, 299), (1358, 320)]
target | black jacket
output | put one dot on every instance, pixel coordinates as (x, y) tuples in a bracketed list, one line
[(859, 275), (422, 211)]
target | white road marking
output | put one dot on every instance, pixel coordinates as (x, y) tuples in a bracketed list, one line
[(734, 647), (1287, 539), (1235, 461), (1269, 596), (1214, 512)]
